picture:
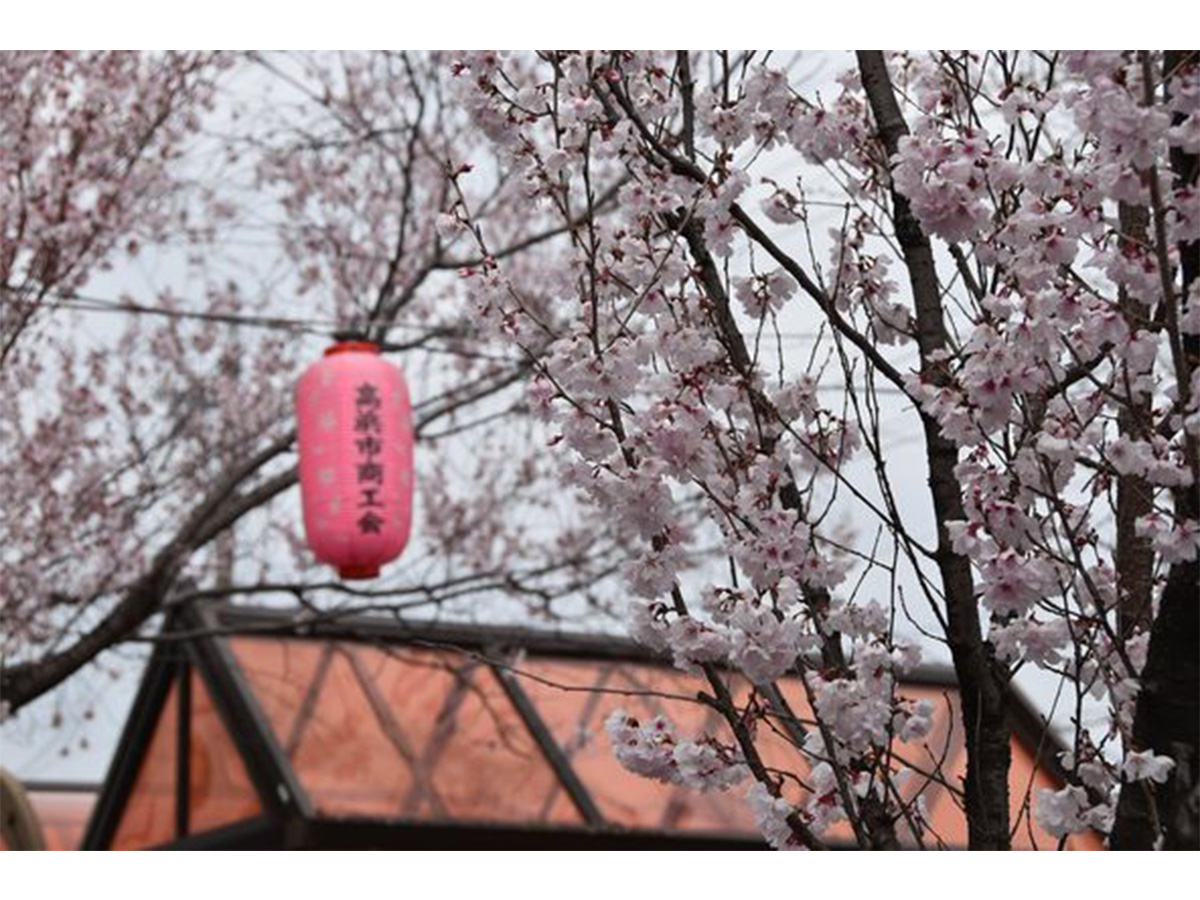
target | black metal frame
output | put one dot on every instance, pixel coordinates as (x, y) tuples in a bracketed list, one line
[(193, 638), (279, 789), (275, 783), (570, 782), (372, 834), (183, 756), (259, 833), (132, 746)]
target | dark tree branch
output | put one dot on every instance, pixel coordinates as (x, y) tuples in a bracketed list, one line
[(981, 680)]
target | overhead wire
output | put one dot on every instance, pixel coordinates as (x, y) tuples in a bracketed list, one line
[(286, 323), (319, 327)]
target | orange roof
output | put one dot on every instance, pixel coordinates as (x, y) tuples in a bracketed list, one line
[(441, 735)]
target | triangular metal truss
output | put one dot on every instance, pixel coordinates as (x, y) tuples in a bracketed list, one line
[(193, 648)]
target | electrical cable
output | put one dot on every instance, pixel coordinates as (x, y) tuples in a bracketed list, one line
[(322, 327), (325, 328)]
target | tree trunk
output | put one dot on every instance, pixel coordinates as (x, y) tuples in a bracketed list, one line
[(1167, 720), (1135, 497), (982, 682)]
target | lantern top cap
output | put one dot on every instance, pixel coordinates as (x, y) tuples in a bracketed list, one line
[(351, 344)]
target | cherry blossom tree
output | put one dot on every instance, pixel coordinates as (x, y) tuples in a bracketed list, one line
[(710, 300), (1005, 242)]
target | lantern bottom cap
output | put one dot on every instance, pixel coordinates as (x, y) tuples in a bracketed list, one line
[(358, 572)]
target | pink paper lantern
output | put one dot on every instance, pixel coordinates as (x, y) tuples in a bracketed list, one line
[(356, 458)]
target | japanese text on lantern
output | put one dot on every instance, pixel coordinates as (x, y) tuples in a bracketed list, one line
[(370, 448)]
